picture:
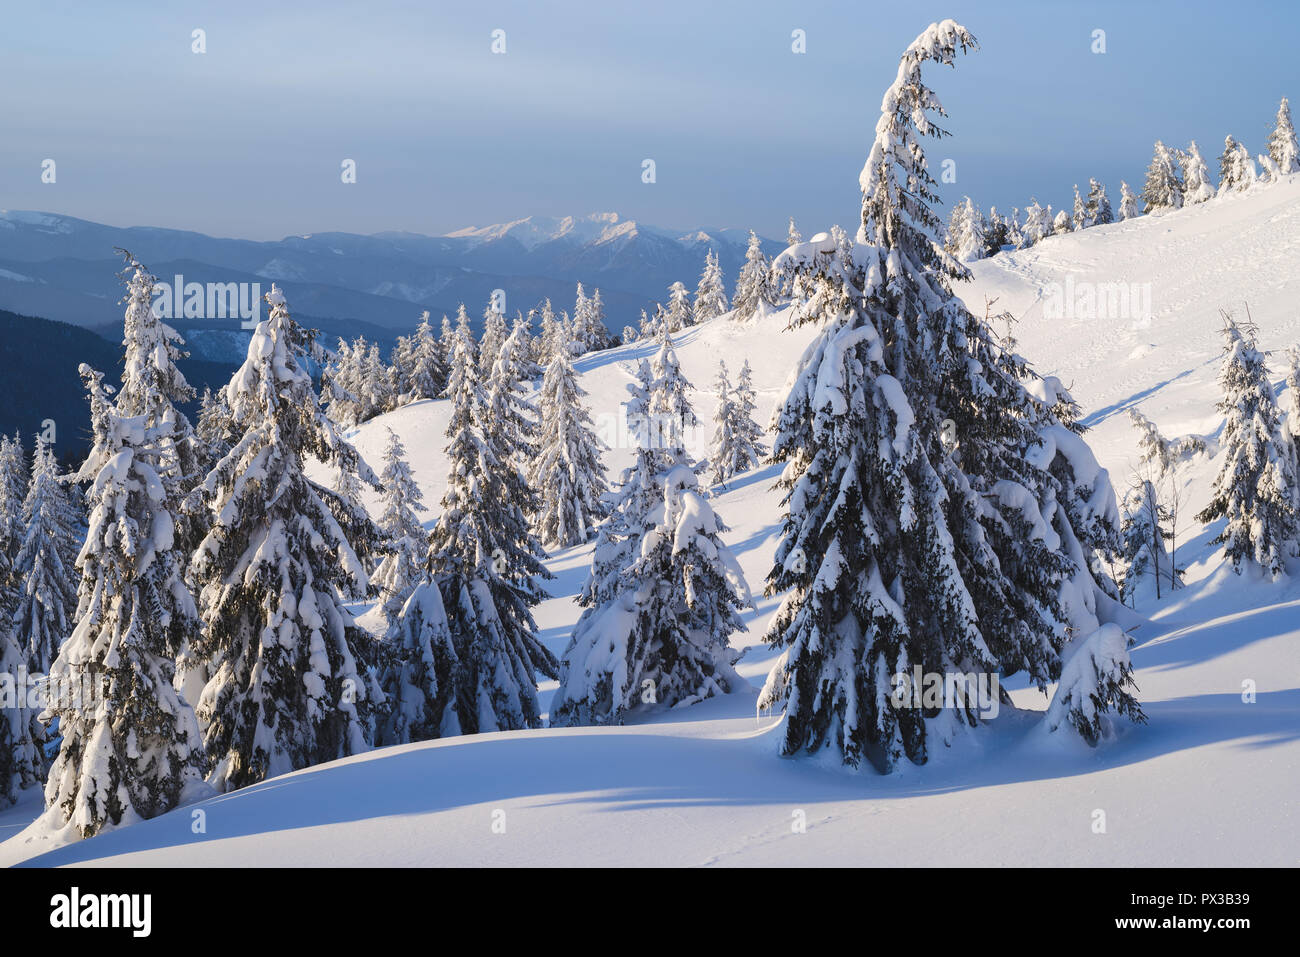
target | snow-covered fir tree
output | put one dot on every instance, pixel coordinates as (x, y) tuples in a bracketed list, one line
[(1142, 538), (1080, 218), (1197, 187), (1254, 490), (792, 234), (1128, 202), (1015, 238), (996, 232), (664, 593), (1236, 169), (678, 314), (711, 293), (22, 737), (462, 326), (1095, 677), (285, 691), (526, 347), (1038, 225), (1163, 190), (551, 334), (405, 539), (966, 232), (45, 596), (152, 385), (1062, 224), (130, 747), (737, 439), (589, 332), (753, 285), (419, 682), (495, 331), (424, 371), (486, 562), (1283, 149), (902, 547), (214, 433), (566, 471), (1099, 212)]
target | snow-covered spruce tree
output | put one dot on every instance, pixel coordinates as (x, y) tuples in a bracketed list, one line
[(495, 331), (550, 334), (46, 596), (1062, 224), (1142, 538), (425, 371), (1236, 169), (13, 489), (130, 746), (446, 342), (1128, 203), (405, 541), (662, 599), (711, 293), (1197, 187), (526, 348), (340, 381), (1097, 675), (966, 232), (486, 563), (214, 433), (1015, 238), (1099, 212), (724, 416), (589, 332), (512, 418), (154, 387), (22, 759), (679, 315), (419, 680), (281, 649), (1079, 218), (1038, 225), (792, 234), (753, 286), (1254, 490), (901, 549), (1163, 190), (737, 438), (566, 472), (995, 232), (1283, 148)]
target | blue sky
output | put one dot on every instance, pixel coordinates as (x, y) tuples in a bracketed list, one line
[(247, 138)]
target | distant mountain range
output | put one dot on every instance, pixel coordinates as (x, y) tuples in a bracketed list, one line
[(65, 269)]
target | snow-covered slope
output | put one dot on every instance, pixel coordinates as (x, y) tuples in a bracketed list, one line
[(1211, 779)]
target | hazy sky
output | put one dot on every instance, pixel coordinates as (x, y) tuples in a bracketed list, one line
[(247, 139)]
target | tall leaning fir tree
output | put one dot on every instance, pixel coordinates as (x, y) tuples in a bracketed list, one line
[(919, 530), (281, 649)]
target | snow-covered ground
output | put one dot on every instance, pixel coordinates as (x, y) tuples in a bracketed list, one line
[(1210, 780)]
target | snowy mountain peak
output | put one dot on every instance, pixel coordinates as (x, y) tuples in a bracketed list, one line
[(532, 231)]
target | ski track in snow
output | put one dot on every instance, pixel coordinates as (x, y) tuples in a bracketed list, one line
[(1210, 780)]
